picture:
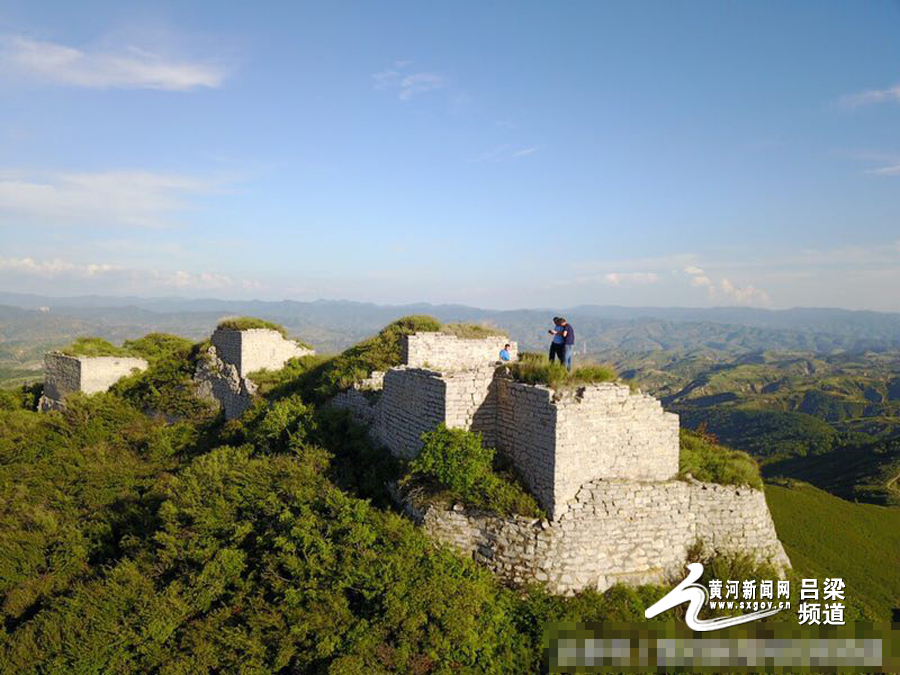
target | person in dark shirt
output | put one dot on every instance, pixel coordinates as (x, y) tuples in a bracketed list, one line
[(568, 334), (558, 345)]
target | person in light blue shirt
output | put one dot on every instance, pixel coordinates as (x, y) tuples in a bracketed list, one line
[(568, 334), (504, 353), (558, 345)]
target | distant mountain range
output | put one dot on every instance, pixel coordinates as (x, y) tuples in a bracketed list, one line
[(781, 384), (334, 325)]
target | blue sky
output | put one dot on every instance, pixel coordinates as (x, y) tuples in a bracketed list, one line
[(496, 154)]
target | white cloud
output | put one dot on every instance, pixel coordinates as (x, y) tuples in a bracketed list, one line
[(890, 170), (619, 278), (419, 83), (125, 278), (726, 289), (506, 152), (121, 198), (406, 85), (872, 96), (54, 267), (385, 79), (126, 68), (201, 281)]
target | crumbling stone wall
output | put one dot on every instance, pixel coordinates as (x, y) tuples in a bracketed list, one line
[(255, 348), (600, 460), (65, 374), (613, 532), (440, 351), (556, 441), (412, 401), (220, 382), (607, 431), (526, 432)]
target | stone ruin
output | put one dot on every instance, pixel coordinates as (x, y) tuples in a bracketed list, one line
[(233, 354), (221, 375), (64, 375), (600, 459)]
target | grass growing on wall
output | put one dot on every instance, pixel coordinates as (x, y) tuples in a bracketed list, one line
[(472, 330), (320, 381), (537, 369), (706, 460), (319, 378), (94, 346), (249, 323)]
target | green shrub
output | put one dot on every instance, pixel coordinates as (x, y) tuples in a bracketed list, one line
[(321, 378), (538, 369), (167, 385), (706, 460), (456, 462), (94, 346), (24, 397), (157, 345), (285, 380), (286, 426), (380, 352)]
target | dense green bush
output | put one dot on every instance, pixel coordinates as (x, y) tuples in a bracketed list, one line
[(706, 460), (167, 385), (456, 462), (24, 397), (286, 426), (537, 369), (319, 378), (157, 345), (129, 545), (324, 379)]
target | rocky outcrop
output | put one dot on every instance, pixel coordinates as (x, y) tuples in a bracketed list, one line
[(220, 382)]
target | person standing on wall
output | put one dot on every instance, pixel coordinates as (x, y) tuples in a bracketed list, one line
[(568, 335), (558, 345)]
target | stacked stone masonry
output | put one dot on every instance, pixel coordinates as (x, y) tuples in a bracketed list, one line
[(556, 442), (255, 349), (600, 459), (222, 376), (440, 351), (613, 532), (64, 375)]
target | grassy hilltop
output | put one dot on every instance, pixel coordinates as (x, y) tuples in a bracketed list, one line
[(129, 544)]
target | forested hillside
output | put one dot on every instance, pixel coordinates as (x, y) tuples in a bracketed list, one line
[(268, 544)]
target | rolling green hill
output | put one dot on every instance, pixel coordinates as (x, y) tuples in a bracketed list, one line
[(867, 473), (825, 536)]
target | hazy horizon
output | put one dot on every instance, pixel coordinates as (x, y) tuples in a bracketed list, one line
[(487, 308)]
